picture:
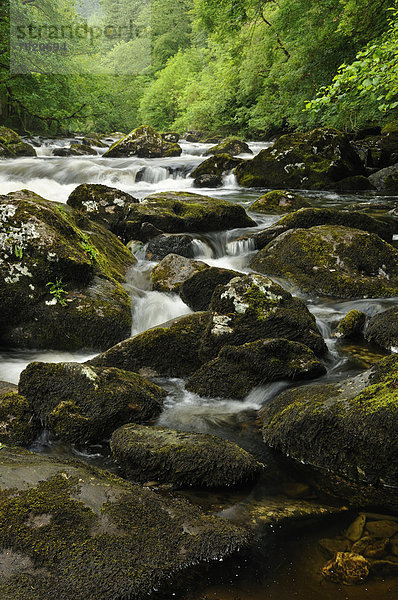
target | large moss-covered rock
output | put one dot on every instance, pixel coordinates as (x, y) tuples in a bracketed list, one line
[(332, 261), (171, 150), (386, 179), (74, 532), (61, 277), (18, 425), (181, 458), (12, 146), (172, 349), (279, 202), (251, 307), (172, 271), (197, 290), (382, 329), (347, 429), (170, 243), (232, 146), (82, 150), (143, 142), (177, 212), (311, 217), (313, 160), (81, 403), (238, 369), (105, 205), (378, 151), (210, 172)]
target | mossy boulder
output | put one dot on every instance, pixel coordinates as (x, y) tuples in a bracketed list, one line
[(18, 426), (332, 261), (82, 150), (251, 307), (105, 205), (232, 146), (385, 179), (12, 146), (172, 271), (61, 277), (81, 403), (378, 151), (71, 531), (382, 329), (279, 202), (178, 212), (143, 142), (348, 429), (170, 243), (352, 325), (171, 350), (212, 170), (184, 459), (197, 290), (171, 150), (311, 217), (313, 160), (93, 141), (238, 369)]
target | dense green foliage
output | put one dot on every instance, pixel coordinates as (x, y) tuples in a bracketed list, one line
[(219, 66)]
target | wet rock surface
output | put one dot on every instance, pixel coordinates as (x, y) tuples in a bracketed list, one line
[(68, 530), (279, 202), (181, 458), (170, 274), (332, 261), (143, 142), (12, 146), (81, 403), (197, 290), (382, 329)]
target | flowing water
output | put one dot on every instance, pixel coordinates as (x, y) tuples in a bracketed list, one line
[(55, 178)]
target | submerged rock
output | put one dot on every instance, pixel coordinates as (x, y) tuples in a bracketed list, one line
[(279, 202), (81, 403), (232, 146), (347, 568), (61, 277), (332, 261), (171, 349), (172, 271), (178, 212), (352, 325), (143, 142), (347, 430), (184, 459), (313, 160), (238, 369), (12, 146), (382, 329), (251, 307), (71, 531), (105, 205), (210, 172), (197, 290)]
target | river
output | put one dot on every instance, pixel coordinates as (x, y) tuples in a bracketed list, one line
[(55, 178)]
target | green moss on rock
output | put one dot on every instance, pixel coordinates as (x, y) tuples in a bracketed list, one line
[(312, 160), (352, 325), (197, 291), (81, 403), (44, 242), (332, 261), (178, 212), (181, 458), (232, 146), (143, 142), (215, 167), (238, 369), (172, 271), (251, 307), (172, 349), (72, 532), (279, 202), (18, 426), (382, 329), (12, 146), (347, 428)]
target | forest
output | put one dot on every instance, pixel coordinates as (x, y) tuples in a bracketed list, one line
[(242, 67)]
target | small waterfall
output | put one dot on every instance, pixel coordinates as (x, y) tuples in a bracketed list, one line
[(154, 174), (201, 249), (239, 247), (229, 181)]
